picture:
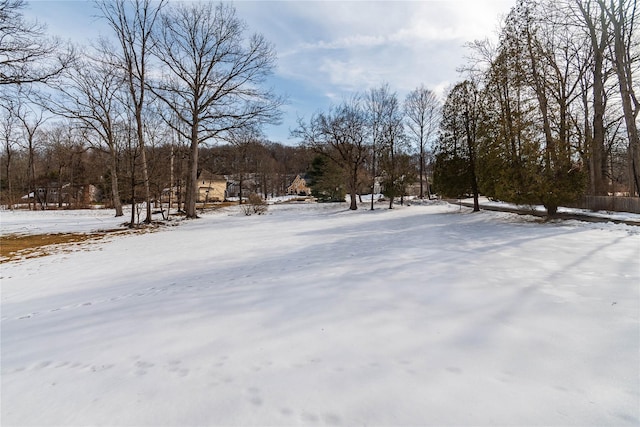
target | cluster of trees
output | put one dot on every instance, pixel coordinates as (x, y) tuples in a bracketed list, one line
[(170, 79), (372, 136), (551, 111), (546, 114), (62, 153)]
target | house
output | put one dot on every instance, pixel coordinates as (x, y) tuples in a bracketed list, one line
[(55, 193), (211, 188), (299, 187), (248, 182)]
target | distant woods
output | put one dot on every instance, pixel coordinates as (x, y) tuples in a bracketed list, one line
[(546, 114)]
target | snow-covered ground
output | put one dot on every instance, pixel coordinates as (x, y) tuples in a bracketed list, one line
[(315, 315), (619, 216), (59, 221)]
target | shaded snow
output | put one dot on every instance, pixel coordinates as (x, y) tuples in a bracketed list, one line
[(315, 315)]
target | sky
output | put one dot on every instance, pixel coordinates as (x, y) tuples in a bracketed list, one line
[(330, 50)]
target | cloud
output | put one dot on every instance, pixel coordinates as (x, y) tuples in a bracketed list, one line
[(327, 50), (356, 44)]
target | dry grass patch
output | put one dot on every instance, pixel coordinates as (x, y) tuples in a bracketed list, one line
[(21, 246)]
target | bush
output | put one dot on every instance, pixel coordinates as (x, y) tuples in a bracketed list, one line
[(254, 205)]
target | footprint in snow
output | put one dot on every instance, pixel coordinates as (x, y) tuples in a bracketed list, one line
[(142, 367), (254, 396)]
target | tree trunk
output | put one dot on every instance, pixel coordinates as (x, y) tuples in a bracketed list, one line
[(9, 188), (59, 187), (115, 192), (598, 154), (192, 181), (623, 67), (552, 209), (421, 163), (629, 118), (373, 173), (145, 172), (32, 178), (353, 189), (132, 223)]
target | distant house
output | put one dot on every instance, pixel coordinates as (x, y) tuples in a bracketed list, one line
[(248, 182), (64, 195), (210, 188), (299, 187)]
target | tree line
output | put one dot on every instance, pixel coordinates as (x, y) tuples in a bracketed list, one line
[(544, 115)]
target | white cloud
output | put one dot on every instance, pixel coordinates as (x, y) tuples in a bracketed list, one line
[(356, 44)]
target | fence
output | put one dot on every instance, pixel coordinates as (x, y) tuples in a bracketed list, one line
[(610, 203)]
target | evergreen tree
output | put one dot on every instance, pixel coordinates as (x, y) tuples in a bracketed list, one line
[(456, 150), (326, 180)]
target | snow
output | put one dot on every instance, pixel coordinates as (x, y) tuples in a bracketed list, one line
[(59, 221), (620, 216), (316, 315)]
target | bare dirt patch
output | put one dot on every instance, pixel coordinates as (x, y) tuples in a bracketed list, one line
[(21, 246)]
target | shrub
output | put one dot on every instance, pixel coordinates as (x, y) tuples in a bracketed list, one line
[(254, 205)]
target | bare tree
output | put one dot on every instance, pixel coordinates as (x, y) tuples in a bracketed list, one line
[(31, 122), (375, 109), (214, 78), (8, 129), (422, 112), (623, 15), (27, 54), (63, 151), (340, 135), (133, 22), (90, 92), (595, 23), (388, 133), (245, 141)]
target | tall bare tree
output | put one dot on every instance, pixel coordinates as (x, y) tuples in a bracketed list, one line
[(388, 133), (422, 112), (31, 120), (8, 129), (245, 142), (214, 77), (595, 23), (63, 151), (374, 106), (27, 54), (624, 16), (132, 22)]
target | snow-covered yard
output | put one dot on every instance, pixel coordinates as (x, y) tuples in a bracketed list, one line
[(315, 315)]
